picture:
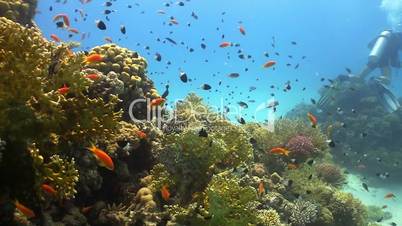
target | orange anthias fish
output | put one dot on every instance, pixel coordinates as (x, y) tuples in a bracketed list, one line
[(158, 101), (389, 196), (55, 38), (73, 30), (65, 18), (312, 119), (165, 192), (93, 76), (280, 151), (48, 189), (24, 210), (104, 159), (94, 58), (225, 44), (63, 90), (141, 134), (109, 39), (261, 188), (269, 63), (242, 31)]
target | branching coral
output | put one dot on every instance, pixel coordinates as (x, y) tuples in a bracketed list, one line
[(21, 11), (229, 203), (303, 213), (59, 173), (268, 217)]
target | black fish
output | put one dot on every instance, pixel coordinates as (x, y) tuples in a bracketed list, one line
[(158, 57), (194, 15), (310, 177), (242, 104), (180, 3), (297, 66), (205, 87), (365, 186), (183, 77), (202, 133), (107, 11), (380, 219), (253, 141), (313, 101), (171, 41), (123, 29), (203, 46), (166, 93), (331, 143), (241, 120), (348, 70), (233, 75), (294, 43), (60, 24), (108, 4), (101, 25), (310, 162)]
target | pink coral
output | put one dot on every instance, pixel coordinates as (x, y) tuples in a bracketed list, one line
[(330, 173), (301, 146)]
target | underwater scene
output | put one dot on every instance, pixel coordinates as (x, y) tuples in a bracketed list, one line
[(193, 113)]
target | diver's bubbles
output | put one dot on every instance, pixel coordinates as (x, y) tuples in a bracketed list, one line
[(393, 8)]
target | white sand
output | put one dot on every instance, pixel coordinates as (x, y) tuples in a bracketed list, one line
[(375, 196)]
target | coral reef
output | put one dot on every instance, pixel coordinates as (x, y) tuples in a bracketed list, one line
[(21, 11), (200, 169)]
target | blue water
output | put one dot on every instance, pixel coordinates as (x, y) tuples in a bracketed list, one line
[(331, 34)]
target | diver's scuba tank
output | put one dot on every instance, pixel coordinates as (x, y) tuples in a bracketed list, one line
[(379, 47)]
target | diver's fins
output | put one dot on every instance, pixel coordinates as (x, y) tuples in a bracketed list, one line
[(386, 97)]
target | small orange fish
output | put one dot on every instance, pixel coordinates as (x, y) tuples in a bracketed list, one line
[(94, 58), (261, 188), (73, 30), (104, 159), (292, 166), (389, 196), (63, 90), (165, 192), (141, 134), (109, 39), (158, 101), (312, 119), (24, 210), (63, 16), (280, 151), (55, 38), (48, 189), (86, 209), (242, 31), (269, 63), (225, 44), (93, 76)]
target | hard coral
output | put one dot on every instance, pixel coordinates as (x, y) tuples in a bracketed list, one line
[(331, 174), (303, 213), (301, 146), (21, 11), (121, 66), (229, 203), (268, 217)]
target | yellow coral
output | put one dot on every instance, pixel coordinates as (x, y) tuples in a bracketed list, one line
[(268, 217), (21, 11)]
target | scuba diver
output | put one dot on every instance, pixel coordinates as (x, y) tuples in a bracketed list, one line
[(383, 55)]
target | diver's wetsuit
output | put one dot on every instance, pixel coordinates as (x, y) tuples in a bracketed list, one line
[(389, 57)]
